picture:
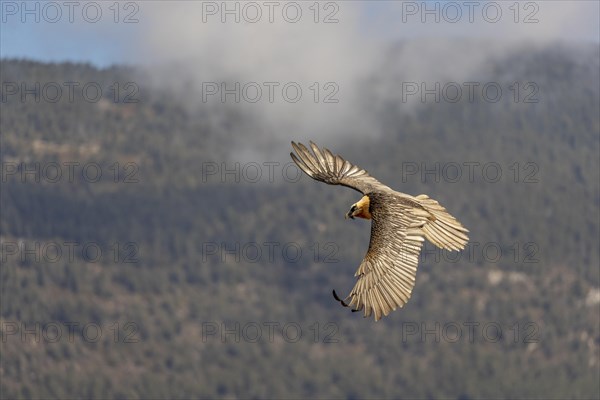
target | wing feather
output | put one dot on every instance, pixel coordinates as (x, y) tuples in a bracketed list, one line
[(322, 165), (307, 161), (442, 229), (387, 273)]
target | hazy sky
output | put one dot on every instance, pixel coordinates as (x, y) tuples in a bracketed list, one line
[(327, 50), (106, 32)]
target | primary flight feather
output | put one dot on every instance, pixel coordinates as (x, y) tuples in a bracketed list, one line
[(400, 223)]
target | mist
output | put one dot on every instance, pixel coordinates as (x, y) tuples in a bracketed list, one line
[(298, 71)]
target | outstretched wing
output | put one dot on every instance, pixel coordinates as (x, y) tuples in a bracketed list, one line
[(387, 273), (332, 169), (443, 229)]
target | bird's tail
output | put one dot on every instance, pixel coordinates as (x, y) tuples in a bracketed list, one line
[(442, 229)]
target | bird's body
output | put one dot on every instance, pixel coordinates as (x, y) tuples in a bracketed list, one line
[(400, 223)]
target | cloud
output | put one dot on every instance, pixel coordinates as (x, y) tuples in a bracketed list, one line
[(534, 21), (252, 49), (344, 57), (325, 62)]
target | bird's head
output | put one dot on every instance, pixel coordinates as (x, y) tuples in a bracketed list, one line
[(360, 209)]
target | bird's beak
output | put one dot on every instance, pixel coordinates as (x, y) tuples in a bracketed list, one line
[(349, 213)]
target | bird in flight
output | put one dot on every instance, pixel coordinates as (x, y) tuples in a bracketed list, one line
[(400, 224)]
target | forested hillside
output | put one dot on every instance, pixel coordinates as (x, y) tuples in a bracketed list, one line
[(167, 279)]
